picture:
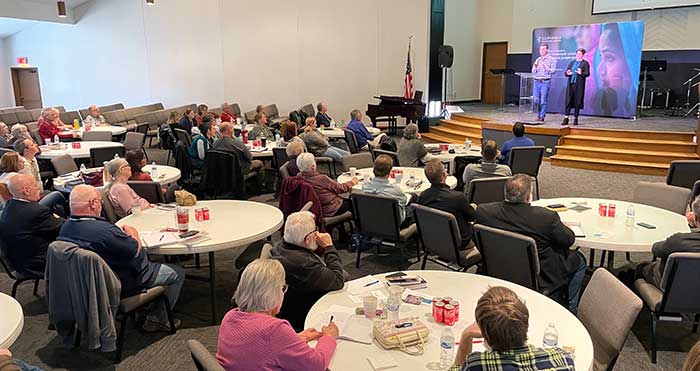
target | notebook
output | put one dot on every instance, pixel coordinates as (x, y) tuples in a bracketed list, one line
[(351, 326), (382, 362)]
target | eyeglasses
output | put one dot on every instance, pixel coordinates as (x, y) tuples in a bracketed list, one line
[(284, 288), (310, 233)]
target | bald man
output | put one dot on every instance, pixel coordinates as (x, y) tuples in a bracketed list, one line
[(121, 249), (94, 118), (227, 143), (27, 226)]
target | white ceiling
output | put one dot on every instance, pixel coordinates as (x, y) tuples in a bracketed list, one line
[(69, 3), (10, 26)]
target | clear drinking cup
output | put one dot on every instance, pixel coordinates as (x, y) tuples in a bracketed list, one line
[(369, 304)]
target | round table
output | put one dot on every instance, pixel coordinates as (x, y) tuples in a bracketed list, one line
[(611, 234), (12, 320), (83, 152), (417, 172), (339, 133), (261, 152), (449, 158), (232, 224), (115, 130), (467, 289), (166, 175)]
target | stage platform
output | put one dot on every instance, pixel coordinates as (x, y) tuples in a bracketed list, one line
[(642, 146)]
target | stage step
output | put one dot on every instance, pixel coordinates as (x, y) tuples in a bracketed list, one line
[(461, 126), (468, 119), (650, 145), (433, 137), (591, 163), (618, 154), (672, 136), (456, 136)]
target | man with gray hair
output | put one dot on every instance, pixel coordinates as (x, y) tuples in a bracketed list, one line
[(5, 136), (322, 117), (558, 263), (94, 118), (328, 190), (488, 168), (294, 149), (361, 133), (679, 242), (18, 132), (308, 275), (411, 151)]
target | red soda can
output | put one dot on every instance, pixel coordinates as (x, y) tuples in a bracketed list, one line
[(392, 174), (205, 213), (449, 316), (602, 209), (74, 145), (244, 135), (611, 210), (438, 311), (455, 304), (198, 215), (447, 299)]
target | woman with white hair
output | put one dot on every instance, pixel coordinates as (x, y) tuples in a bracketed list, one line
[(411, 151), (294, 149), (123, 197), (19, 132), (327, 189), (251, 338), (50, 125)]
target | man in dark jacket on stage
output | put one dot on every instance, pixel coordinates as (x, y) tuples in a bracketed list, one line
[(577, 72)]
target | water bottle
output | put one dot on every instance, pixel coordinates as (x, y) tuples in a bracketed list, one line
[(551, 336), (447, 348), (105, 173), (629, 220), (116, 156), (154, 170), (393, 303), (83, 168), (55, 138), (277, 140)]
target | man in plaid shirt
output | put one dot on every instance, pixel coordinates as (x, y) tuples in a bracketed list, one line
[(543, 68), (502, 320)]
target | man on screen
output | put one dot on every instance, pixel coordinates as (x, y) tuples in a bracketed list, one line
[(542, 70)]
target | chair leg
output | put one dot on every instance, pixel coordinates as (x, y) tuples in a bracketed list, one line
[(425, 260), (14, 288), (36, 287), (169, 312), (592, 258), (120, 339), (537, 188), (602, 258), (628, 257), (653, 338), (359, 252), (76, 337), (697, 322)]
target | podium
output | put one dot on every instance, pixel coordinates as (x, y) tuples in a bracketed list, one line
[(503, 72), (525, 100)]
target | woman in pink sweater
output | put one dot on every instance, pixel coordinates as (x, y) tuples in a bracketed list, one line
[(251, 338), (123, 197)]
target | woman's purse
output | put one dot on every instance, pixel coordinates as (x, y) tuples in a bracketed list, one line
[(408, 334), (184, 198), (93, 178)]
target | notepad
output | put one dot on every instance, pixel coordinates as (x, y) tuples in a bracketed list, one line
[(576, 228), (351, 326), (382, 362), (363, 285), (157, 239)]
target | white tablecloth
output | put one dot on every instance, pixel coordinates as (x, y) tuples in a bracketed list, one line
[(67, 148), (467, 289), (166, 175), (339, 133), (11, 320), (417, 172), (449, 158), (115, 130)]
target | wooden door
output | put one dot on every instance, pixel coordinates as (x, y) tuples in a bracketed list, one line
[(25, 83), (494, 57)]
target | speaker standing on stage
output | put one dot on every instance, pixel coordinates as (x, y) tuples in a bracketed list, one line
[(577, 72), (542, 70)]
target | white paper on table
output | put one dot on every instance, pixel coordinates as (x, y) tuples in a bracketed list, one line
[(362, 285), (157, 239), (351, 327), (425, 298), (575, 227), (382, 362), (155, 211)]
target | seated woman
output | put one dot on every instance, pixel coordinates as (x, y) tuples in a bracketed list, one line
[(411, 151), (137, 160), (327, 189), (201, 143), (289, 130), (11, 163), (317, 143), (294, 149), (203, 111), (122, 196), (187, 122), (251, 338)]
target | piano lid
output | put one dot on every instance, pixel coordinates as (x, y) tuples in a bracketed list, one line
[(389, 99)]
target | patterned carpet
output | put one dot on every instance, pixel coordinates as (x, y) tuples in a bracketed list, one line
[(157, 352)]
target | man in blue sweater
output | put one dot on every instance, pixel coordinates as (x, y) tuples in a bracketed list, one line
[(361, 133), (519, 140)]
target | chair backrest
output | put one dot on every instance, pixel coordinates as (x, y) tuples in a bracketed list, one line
[(182, 161), (145, 118), (97, 136), (108, 209), (608, 310), (487, 190), (271, 111), (117, 117), (377, 216), (151, 191), (663, 196), (250, 116), (308, 110), (32, 126), (526, 160), (134, 140), (284, 172), (438, 232), (351, 140), (182, 136), (507, 255), (394, 156), (9, 118), (222, 175), (143, 128), (279, 157), (68, 117), (64, 164), (35, 135), (203, 360), (24, 117), (5, 262), (358, 160), (683, 173), (236, 109), (99, 155), (103, 109), (680, 283), (5, 150), (36, 113)]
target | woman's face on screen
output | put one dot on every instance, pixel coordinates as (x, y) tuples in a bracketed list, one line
[(612, 68)]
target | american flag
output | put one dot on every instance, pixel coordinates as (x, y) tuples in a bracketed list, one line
[(408, 79)]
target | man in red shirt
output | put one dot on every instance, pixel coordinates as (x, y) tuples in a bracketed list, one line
[(226, 114), (51, 125)]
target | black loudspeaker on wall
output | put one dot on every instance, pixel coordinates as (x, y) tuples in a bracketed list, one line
[(445, 56)]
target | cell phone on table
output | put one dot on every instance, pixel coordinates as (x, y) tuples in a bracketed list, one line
[(646, 225), (395, 275), (556, 206), (188, 234)]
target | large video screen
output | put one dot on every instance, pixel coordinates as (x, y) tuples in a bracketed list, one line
[(614, 53), (614, 6)]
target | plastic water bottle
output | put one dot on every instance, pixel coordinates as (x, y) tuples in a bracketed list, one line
[(83, 168), (447, 348), (629, 220), (55, 138), (551, 336), (393, 303), (154, 170), (116, 156), (277, 140)]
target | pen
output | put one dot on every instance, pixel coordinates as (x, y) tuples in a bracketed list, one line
[(161, 237), (330, 320), (371, 283)]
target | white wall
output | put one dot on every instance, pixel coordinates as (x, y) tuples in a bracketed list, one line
[(462, 32), (293, 53)]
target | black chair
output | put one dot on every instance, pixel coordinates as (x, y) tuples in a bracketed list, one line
[(98, 156), (5, 150), (279, 157), (222, 176), (683, 173), (439, 235), (679, 296), (151, 191), (18, 277), (378, 219), (64, 164), (487, 190), (351, 140), (461, 163), (108, 208), (394, 156), (97, 136), (183, 136), (189, 176), (527, 160)]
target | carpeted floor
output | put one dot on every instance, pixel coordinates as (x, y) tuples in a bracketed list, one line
[(41, 347)]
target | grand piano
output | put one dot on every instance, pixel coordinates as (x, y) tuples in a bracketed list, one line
[(389, 108)]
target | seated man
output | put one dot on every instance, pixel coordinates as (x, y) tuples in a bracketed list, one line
[(558, 264), (502, 319), (309, 276), (380, 185), (294, 149), (441, 197), (50, 125), (28, 150), (226, 114), (679, 242), (322, 118), (488, 168), (361, 133), (5, 136), (519, 140), (227, 143), (412, 151), (121, 249), (27, 226), (19, 132), (327, 189), (94, 118), (260, 129)]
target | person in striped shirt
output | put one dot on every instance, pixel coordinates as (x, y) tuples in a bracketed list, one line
[(542, 71)]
